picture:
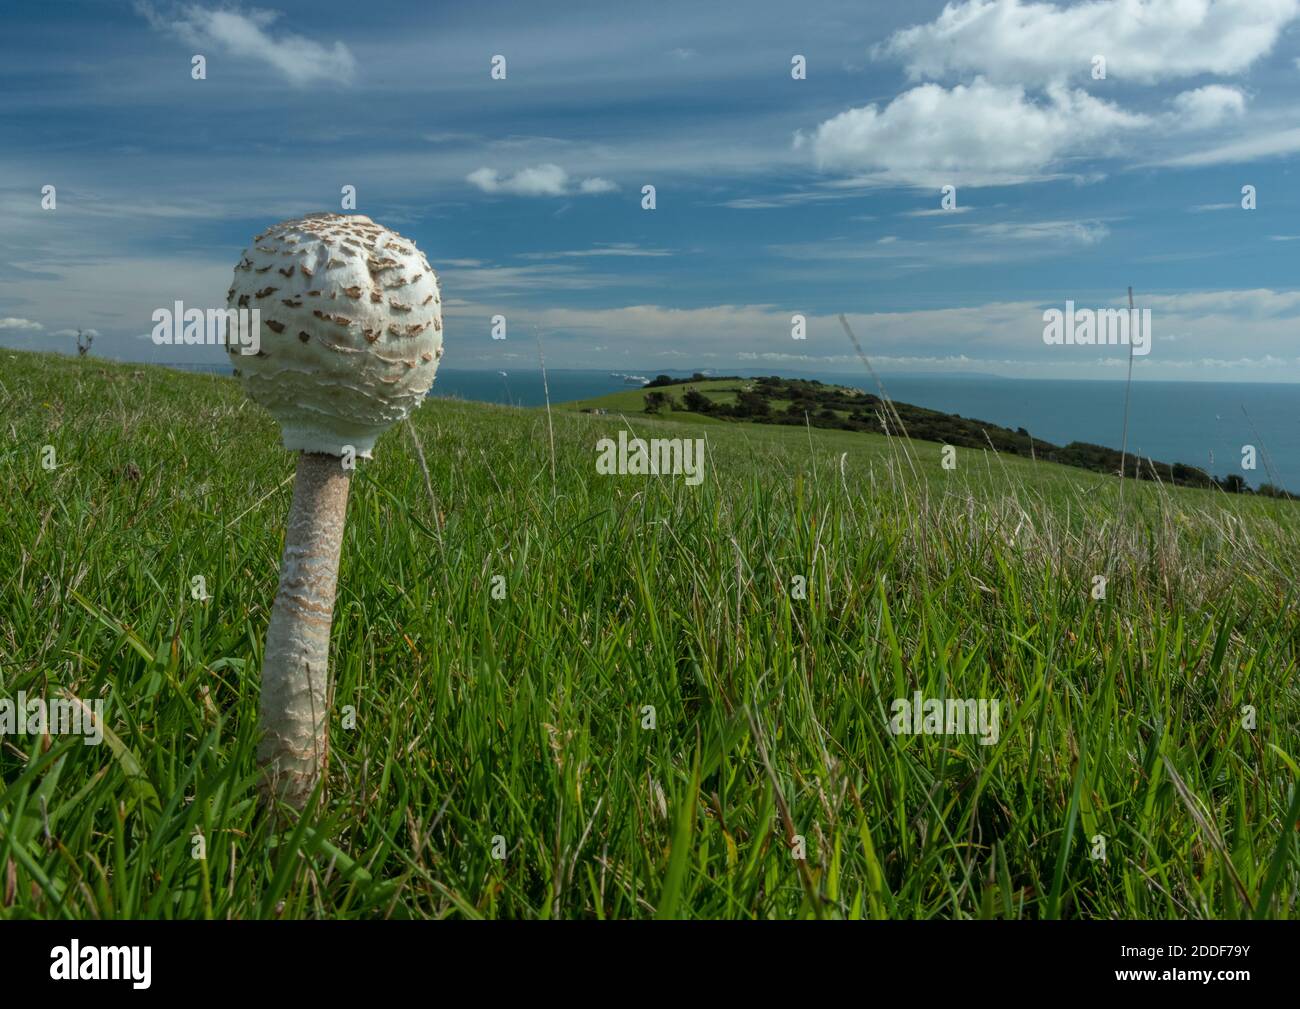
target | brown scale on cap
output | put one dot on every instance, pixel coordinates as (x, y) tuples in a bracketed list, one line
[(338, 320), (292, 302), (306, 272), (262, 269), (288, 272), (371, 335), (353, 292), (274, 327), (304, 336), (264, 292)]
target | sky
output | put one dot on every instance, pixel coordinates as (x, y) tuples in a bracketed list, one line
[(775, 194)]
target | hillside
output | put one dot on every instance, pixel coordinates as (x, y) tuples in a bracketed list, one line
[(652, 694), (810, 403)]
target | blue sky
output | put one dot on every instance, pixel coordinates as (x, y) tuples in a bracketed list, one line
[(774, 196)]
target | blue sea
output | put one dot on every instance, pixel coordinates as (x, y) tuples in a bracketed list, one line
[(1203, 424)]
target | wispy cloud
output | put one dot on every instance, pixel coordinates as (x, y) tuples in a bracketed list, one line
[(936, 212), (247, 35), (1273, 143), (611, 249), (1056, 232)]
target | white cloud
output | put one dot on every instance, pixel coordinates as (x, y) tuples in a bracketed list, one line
[(1208, 106), (1142, 40), (1251, 331), (596, 185), (976, 135), (537, 180), (21, 324), (244, 34)]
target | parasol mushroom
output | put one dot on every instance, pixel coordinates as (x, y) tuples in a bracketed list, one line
[(351, 320)]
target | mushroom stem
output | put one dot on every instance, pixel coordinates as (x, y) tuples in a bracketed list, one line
[(293, 713)]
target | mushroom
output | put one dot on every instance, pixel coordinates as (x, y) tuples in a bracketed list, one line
[(335, 370)]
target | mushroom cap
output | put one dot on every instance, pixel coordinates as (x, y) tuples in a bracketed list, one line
[(351, 329)]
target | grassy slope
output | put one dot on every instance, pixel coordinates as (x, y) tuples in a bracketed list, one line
[(522, 717)]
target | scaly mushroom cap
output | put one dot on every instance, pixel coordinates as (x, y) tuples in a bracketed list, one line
[(351, 329)]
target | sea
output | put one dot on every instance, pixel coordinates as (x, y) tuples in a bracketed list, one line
[(1202, 424)]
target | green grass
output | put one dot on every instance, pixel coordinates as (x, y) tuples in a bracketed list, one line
[(522, 717)]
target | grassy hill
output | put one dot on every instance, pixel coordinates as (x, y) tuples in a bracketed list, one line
[(763, 623), (810, 403)]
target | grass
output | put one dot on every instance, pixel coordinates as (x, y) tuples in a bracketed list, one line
[(516, 723)]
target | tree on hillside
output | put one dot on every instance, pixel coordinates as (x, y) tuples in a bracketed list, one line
[(658, 402), (752, 404), (697, 402)]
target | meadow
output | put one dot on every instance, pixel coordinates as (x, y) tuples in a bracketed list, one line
[(559, 694)]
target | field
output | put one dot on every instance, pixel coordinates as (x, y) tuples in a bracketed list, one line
[(507, 621)]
